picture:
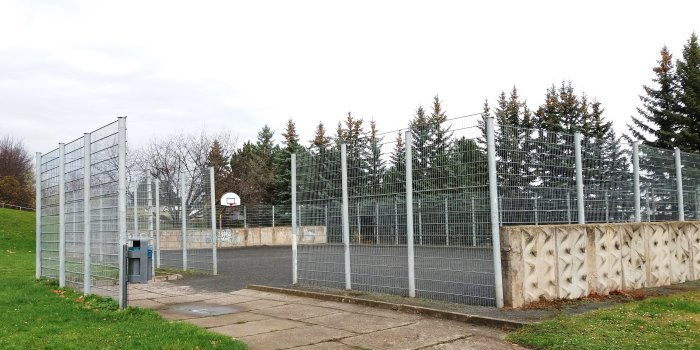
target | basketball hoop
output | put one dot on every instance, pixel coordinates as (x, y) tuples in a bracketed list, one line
[(230, 199)]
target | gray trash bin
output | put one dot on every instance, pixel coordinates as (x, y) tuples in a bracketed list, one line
[(139, 260)]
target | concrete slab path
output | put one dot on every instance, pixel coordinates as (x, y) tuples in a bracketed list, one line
[(265, 320)]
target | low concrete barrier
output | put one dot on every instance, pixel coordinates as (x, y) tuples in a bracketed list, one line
[(573, 261), (242, 237)]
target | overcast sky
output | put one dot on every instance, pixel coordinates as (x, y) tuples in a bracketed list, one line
[(68, 67)]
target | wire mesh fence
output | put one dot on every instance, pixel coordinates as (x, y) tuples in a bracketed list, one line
[(78, 212), (179, 220), (442, 240)]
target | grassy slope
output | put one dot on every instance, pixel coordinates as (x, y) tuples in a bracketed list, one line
[(667, 322), (39, 315)]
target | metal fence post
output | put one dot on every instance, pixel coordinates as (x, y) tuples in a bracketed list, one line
[(62, 215), (245, 217), (121, 209), (359, 227), (376, 221), (396, 222), (409, 216), (579, 179), (294, 219), (420, 222), (157, 215), (87, 174), (537, 218), (149, 204), (697, 203), (679, 184), (346, 214), (447, 224), (493, 202), (500, 210), (37, 192), (607, 207), (473, 224), (637, 190), (136, 207), (568, 206), (273, 216), (214, 240), (183, 214)]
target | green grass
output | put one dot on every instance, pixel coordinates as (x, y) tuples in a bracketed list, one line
[(666, 322), (39, 315)]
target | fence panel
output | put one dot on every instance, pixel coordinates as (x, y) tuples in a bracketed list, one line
[(691, 185)]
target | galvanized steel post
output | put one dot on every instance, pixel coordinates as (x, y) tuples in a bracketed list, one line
[(121, 209), (679, 184), (409, 216), (493, 202), (214, 240), (183, 214), (637, 190), (37, 192), (579, 179), (294, 219), (61, 215), (87, 245), (346, 214), (157, 215)]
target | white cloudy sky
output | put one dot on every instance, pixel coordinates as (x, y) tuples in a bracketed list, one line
[(67, 67)]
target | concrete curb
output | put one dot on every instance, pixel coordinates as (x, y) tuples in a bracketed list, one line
[(412, 309)]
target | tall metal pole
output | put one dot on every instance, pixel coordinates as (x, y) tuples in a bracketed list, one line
[(157, 214), (679, 184), (420, 222), (273, 216), (294, 219), (121, 204), (214, 240), (37, 188), (183, 214), (346, 214), (149, 204), (473, 224), (409, 216), (136, 207), (637, 190), (87, 217), (62, 215), (579, 179), (376, 221), (493, 202), (245, 217), (447, 224), (607, 207)]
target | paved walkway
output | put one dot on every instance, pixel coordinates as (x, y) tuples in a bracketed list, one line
[(266, 320)]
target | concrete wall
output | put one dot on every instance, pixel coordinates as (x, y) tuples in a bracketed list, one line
[(572, 261), (240, 237)]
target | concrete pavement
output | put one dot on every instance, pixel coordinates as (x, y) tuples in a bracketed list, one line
[(265, 320)]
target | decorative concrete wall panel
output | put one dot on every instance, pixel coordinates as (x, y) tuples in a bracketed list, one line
[(634, 255), (692, 232), (540, 273), (679, 249), (571, 267), (659, 255), (608, 259)]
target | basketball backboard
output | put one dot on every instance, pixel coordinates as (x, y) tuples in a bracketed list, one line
[(230, 199)]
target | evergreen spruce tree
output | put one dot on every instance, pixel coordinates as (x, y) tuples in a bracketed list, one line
[(282, 191), (657, 123), (688, 73)]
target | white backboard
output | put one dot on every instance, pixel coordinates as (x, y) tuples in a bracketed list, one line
[(230, 199)]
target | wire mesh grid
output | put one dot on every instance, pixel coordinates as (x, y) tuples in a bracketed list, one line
[(74, 212), (453, 259), (319, 188), (104, 216), (659, 197), (691, 185), (49, 214), (191, 248), (608, 182), (535, 174)]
